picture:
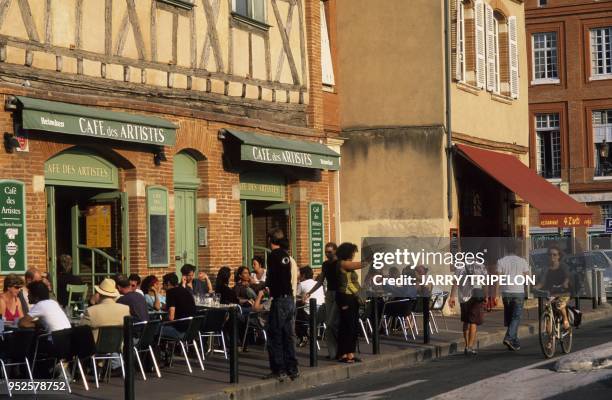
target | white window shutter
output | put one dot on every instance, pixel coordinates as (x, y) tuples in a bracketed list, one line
[(514, 62), (327, 67), (491, 48), (481, 63), (460, 45)]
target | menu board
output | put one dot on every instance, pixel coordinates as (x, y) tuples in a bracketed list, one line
[(12, 227), (98, 226), (157, 221), (317, 234)]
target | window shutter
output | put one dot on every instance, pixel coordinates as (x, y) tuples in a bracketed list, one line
[(327, 68), (479, 22), (491, 48), (514, 63), (460, 42)]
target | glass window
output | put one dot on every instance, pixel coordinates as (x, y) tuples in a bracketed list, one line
[(545, 56), (606, 211), (548, 145), (254, 9), (601, 51), (602, 136)]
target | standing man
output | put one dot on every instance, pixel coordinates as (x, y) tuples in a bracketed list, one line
[(281, 347), (329, 273), (513, 295)]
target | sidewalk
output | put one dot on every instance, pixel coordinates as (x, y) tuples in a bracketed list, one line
[(212, 384)]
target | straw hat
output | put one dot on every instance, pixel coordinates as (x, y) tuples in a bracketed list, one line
[(107, 288)]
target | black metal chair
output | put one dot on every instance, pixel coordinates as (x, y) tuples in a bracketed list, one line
[(437, 307), (213, 328), (418, 312), (187, 338), (83, 347), (56, 345), (14, 349), (400, 310), (147, 337), (254, 323), (108, 347)]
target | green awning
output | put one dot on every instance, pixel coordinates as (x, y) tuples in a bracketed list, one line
[(52, 116), (276, 150)]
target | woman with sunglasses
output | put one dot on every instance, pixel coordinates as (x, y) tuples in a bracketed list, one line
[(10, 306)]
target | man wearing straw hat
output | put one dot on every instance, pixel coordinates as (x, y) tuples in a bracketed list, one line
[(106, 312)]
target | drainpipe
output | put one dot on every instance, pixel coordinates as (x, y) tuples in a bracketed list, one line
[(447, 87)]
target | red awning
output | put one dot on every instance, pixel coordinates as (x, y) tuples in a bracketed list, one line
[(557, 209)]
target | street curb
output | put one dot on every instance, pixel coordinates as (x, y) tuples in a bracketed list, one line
[(406, 358)]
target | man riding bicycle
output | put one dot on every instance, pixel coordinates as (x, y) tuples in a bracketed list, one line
[(556, 282)]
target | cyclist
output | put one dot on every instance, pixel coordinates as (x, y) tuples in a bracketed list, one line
[(556, 281)]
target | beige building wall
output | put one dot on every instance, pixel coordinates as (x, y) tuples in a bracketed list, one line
[(391, 60)]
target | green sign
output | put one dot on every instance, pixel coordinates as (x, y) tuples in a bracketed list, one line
[(73, 119), (12, 227), (269, 155), (316, 234), (262, 186), (157, 226), (76, 168)]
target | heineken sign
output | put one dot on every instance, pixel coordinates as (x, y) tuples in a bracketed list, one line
[(271, 155), (12, 227), (317, 234)]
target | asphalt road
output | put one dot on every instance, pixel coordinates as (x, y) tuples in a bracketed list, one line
[(494, 373)]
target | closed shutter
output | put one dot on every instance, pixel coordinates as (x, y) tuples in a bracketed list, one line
[(481, 64), (327, 67), (491, 48), (514, 62), (460, 42)]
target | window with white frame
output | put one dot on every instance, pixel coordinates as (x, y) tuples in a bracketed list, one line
[(548, 145), (253, 9), (601, 52), (606, 211), (602, 136), (544, 46), (327, 66)]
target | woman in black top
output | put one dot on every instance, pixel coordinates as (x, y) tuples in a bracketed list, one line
[(228, 296)]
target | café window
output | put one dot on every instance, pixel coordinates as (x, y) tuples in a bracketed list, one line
[(548, 146), (545, 57), (601, 52), (252, 9), (602, 136)]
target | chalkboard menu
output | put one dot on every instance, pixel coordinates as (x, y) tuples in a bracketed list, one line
[(12, 227), (315, 217), (157, 226)]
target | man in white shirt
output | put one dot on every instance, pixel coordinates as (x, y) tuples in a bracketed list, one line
[(307, 283), (513, 295), (46, 310)]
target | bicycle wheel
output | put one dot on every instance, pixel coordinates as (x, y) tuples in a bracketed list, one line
[(547, 334), (566, 340)]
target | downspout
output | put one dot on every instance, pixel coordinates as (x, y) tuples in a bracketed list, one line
[(447, 87)]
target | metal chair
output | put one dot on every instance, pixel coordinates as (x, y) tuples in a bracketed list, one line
[(83, 347), (418, 312), (108, 347), (402, 311), (437, 306), (56, 345), (213, 328), (14, 348), (253, 322), (147, 337), (188, 338), (80, 293)]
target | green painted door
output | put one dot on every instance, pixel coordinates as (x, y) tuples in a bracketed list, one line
[(185, 227), (51, 240)]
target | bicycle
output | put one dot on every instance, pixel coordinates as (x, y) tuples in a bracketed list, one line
[(550, 327)]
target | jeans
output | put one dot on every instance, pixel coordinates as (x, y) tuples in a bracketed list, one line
[(281, 346), (169, 331), (513, 310)]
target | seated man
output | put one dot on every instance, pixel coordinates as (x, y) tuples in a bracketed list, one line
[(135, 283), (556, 282), (106, 312), (180, 304), (132, 299), (44, 309), (196, 287)]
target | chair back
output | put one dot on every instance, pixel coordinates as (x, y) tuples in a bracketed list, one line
[(110, 339), (419, 304), (400, 307), (438, 302), (215, 320), (62, 344), (17, 345), (77, 294), (193, 330), (83, 344), (148, 333)]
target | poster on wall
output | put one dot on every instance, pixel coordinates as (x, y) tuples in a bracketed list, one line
[(98, 226), (157, 226), (12, 227), (316, 233)]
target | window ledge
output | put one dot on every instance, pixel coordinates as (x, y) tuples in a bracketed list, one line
[(501, 98), (554, 180), (329, 88), (602, 178), (545, 82), (251, 22), (184, 4), (467, 87), (600, 77)]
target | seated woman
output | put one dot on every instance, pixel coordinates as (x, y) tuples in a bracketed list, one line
[(258, 276), (10, 306), (151, 287), (228, 296), (243, 287)]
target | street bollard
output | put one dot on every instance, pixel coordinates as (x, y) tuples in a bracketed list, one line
[(233, 344), (599, 280), (312, 322), (426, 319), (594, 288), (375, 326), (540, 310), (128, 357)]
